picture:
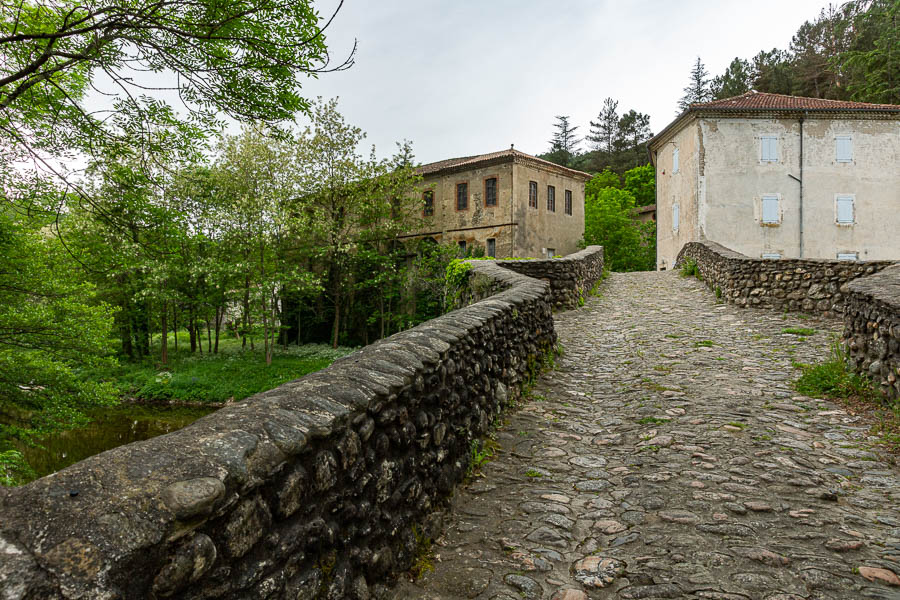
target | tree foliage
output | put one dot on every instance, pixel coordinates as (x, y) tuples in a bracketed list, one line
[(609, 221), (699, 87), (564, 143)]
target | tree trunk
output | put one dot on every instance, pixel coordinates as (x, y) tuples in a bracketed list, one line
[(192, 331), (246, 315), (335, 330), (175, 324), (208, 335), (164, 341), (220, 313)]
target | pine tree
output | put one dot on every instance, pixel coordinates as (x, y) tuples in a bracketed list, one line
[(698, 89), (604, 131), (563, 144), (736, 80)]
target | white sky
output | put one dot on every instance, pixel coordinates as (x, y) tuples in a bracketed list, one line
[(461, 77)]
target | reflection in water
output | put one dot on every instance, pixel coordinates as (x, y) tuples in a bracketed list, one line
[(109, 428)]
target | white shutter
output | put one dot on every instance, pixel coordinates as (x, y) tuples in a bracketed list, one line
[(771, 255), (770, 209), (675, 160), (674, 217), (844, 210), (769, 148), (843, 148), (848, 256)]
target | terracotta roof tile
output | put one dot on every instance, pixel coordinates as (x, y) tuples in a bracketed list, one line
[(764, 101), (471, 162)]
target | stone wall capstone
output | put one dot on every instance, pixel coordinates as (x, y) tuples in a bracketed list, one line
[(808, 285), (571, 277), (872, 328), (320, 488)]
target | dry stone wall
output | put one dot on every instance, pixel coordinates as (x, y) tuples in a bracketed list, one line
[(571, 278), (808, 285), (320, 488), (872, 328)]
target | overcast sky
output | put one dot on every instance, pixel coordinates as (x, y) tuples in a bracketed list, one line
[(462, 77)]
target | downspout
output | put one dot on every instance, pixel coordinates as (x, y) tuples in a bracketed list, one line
[(653, 159), (800, 208), (800, 181), (512, 203)]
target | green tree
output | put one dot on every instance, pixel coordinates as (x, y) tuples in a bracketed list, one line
[(605, 179), (564, 143), (50, 327), (604, 131), (698, 88), (640, 182), (609, 222), (737, 80), (872, 60)]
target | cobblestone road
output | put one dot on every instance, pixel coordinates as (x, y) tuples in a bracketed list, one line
[(668, 457)]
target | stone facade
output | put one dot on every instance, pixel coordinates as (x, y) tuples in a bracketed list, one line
[(322, 487), (813, 286), (571, 278), (801, 157), (872, 328), (516, 227)]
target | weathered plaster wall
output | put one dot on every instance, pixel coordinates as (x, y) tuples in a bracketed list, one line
[(736, 179), (814, 285), (478, 222), (314, 489), (683, 187), (540, 229), (872, 328)]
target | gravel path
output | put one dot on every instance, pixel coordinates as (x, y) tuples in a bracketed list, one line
[(668, 457)]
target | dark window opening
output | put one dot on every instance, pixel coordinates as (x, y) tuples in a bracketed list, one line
[(462, 247), (462, 196), (532, 194), (492, 247), (428, 201), (568, 202), (551, 198), (490, 191)]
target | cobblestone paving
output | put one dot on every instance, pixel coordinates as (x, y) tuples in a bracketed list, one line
[(668, 457)]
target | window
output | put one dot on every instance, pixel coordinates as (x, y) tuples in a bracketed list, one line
[(768, 148), (675, 217), (492, 247), (462, 247), (843, 148), (844, 210), (770, 212), (848, 256), (568, 202), (462, 196), (551, 198), (551, 252), (428, 202), (675, 160), (771, 255), (490, 191), (532, 194)]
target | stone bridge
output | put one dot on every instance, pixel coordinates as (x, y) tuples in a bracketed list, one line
[(665, 456)]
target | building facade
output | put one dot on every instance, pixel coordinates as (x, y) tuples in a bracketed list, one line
[(505, 203), (776, 176)]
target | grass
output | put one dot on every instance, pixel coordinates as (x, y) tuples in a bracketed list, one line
[(834, 379), (209, 378), (799, 331), (704, 344), (652, 421), (689, 268), (533, 473)]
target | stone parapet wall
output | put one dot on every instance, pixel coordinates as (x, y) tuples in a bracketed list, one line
[(807, 285), (571, 277), (872, 328), (320, 488)]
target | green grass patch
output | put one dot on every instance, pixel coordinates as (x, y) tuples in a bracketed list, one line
[(231, 374), (799, 331), (834, 378), (704, 344), (532, 473), (689, 268), (652, 421)]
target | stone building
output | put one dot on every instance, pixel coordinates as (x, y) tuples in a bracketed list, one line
[(507, 203), (774, 176)]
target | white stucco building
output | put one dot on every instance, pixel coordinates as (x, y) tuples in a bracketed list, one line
[(777, 176)]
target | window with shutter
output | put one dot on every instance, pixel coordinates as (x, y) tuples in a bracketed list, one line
[(843, 148), (848, 256), (844, 210), (770, 212), (675, 160), (768, 148), (674, 217)]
